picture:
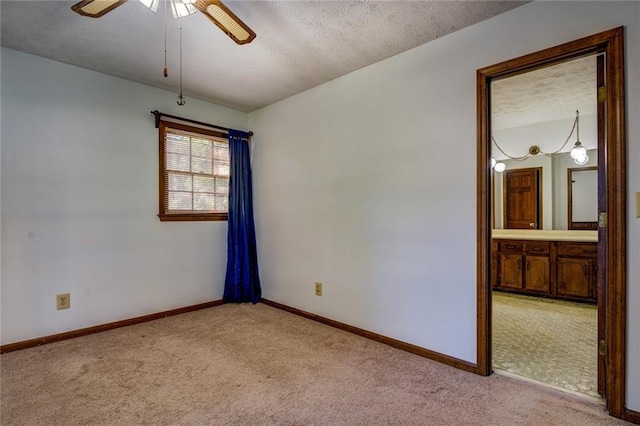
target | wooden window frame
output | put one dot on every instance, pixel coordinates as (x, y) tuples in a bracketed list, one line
[(164, 214)]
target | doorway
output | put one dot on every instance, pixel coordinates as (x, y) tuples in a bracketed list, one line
[(544, 305), (611, 264)]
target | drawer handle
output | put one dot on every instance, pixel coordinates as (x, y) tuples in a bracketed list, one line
[(537, 249), (510, 246)]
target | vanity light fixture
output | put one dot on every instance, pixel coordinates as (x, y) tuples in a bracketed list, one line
[(498, 166), (578, 153)]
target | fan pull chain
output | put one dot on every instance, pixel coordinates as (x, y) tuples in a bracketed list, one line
[(181, 100), (165, 72)]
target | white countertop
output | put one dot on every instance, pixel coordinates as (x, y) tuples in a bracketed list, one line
[(544, 234)]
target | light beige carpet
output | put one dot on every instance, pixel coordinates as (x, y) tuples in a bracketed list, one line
[(551, 341), (256, 365)]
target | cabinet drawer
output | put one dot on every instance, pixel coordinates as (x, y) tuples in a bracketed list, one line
[(537, 247), (511, 246), (578, 249)]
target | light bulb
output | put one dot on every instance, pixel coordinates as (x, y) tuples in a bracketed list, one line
[(500, 167), (181, 8), (578, 151), (581, 161), (151, 4), (493, 162)]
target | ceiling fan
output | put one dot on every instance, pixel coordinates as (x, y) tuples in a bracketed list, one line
[(217, 12)]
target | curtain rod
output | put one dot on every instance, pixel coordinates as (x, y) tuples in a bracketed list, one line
[(159, 115)]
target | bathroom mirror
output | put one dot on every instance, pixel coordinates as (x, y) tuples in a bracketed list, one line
[(582, 185)]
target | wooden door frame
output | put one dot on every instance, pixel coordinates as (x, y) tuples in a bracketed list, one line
[(610, 42)]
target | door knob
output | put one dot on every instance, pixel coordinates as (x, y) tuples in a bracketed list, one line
[(532, 225)]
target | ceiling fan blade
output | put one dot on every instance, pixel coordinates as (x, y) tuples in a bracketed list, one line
[(96, 8), (226, 20)]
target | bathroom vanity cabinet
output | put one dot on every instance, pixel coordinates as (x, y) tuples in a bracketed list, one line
[(551, 268)]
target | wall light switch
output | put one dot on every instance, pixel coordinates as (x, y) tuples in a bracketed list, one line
[(637, 197)]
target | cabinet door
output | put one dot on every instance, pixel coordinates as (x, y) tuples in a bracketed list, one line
[(574, 275), (536, 275), (511, 271), (495, 282), (494, 270)]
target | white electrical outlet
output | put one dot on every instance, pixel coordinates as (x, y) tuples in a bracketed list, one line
[(63, 301)]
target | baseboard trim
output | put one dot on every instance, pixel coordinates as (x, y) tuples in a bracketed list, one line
[(435, 356), (104, 327), (632, 416)]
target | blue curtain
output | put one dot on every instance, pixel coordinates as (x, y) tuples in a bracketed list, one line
[(242, 282)]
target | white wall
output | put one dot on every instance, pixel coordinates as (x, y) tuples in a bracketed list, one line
[(368, 183), (80, 202)]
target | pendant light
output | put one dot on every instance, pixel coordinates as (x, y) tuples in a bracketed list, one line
[(578, 153)]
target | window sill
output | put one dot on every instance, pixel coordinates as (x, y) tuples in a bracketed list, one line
[(191, 217)]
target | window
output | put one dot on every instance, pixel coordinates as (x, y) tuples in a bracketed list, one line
[(194, 173)]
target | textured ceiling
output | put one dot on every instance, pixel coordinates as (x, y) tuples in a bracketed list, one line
[(545, 95), (299, 44), (541, 96)]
